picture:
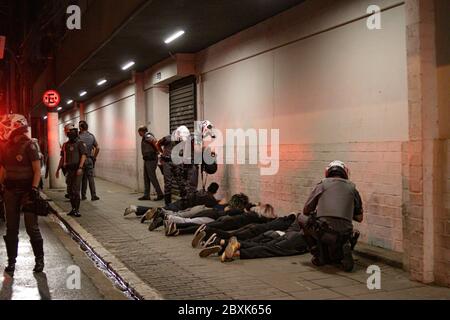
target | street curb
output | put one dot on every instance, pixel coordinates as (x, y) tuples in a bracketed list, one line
[(134, 284)]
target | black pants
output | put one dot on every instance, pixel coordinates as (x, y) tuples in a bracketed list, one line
[(225, 223), (13, 205), (88, 177), (252, 230), (326, 236), (174, 174), (191, 172), (73, 187), (150, 177), (290, 244)]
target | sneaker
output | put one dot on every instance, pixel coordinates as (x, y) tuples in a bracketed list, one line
[(149, 215), (347, 262), (209, 251), (72, 212), (159, 198), (128, 211), (200, 229), (230, 250), (95, 198), (211, 241), (198, 238), (172, 229), (144, 198), (166, 226), (67, 196), (156, 223)]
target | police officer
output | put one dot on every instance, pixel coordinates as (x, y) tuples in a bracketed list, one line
[(73, 157), (173, 171), (150, 150), (20, 172), (202, 156), (338, 203), (92, 152)]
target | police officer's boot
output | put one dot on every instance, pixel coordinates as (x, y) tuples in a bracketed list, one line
[(11, 249), (347, 260), (38, 250)]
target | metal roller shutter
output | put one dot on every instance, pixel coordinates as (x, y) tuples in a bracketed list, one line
[(183, 109)]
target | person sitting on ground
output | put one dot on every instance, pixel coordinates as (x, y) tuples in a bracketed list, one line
[(331, 207), (258, 214), (200, 198)]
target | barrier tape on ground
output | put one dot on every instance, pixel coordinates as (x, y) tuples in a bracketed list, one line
[(131, 284)]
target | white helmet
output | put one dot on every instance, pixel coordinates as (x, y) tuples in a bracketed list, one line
[(68, 127), (206, 128), (337, 166), (181, 134), (10, 123)]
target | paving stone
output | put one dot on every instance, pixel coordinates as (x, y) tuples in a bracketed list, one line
[(172, 267)]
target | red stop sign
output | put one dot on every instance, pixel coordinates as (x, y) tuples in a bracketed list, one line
[(51, 98)]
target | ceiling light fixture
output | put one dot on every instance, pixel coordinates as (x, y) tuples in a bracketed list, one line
[(69, 101), (101, 82), (83, 93), (174, 36), (59, 109), (128, 65), (45, 118)]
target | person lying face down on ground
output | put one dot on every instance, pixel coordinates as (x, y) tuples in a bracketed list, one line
[(278, 238), (198, 215), (259, 214), (331, 207), (204, 198), (210, 236)]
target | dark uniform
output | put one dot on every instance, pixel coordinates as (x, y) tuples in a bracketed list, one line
[(71, 153), (191, 169), (337, 202), (172, 172), (16, 158), (150, 156), (88, 174)]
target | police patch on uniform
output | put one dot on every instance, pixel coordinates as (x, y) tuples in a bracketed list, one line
[(19, 158)]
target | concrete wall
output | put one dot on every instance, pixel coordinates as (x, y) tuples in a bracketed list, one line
[(442, 236), (111, 118), (338, 94)]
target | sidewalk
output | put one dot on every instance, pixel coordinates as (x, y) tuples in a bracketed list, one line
[(172, 267), (60, 253)]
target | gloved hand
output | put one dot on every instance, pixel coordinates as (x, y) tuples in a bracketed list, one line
[(34, 194)]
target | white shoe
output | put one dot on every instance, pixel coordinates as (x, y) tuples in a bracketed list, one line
[(129, 211)]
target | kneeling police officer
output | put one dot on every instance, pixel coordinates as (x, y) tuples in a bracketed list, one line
[(332, 206), (73, 156)]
